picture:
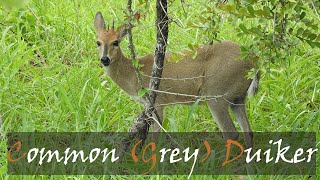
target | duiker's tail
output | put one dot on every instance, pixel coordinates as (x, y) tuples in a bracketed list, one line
[(254, 86)]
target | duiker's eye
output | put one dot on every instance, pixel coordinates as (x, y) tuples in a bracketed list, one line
[(115, 43), (98, 43)]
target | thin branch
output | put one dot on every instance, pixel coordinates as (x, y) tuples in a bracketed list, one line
[(274, 27), (187, 95), (164, 130), (186, 102), (131, 45), (315, 9), (1, 122), (200, 100), (180, 79), (183, 4), (34, 14), (133, 54), (141, 125)]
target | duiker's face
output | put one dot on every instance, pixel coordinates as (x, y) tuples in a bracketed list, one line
[(108, 41)]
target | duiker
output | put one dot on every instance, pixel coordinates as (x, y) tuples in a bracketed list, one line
[(216, 71)]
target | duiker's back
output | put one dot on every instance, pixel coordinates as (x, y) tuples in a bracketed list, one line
[(216, 70)]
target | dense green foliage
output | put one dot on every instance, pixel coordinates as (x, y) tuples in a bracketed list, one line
[(50, 78), (278, 29)]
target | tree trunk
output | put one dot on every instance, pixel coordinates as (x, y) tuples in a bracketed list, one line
[(162, 37), (143, 120), (140, 128)]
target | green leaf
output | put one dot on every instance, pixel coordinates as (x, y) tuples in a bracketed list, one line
[(300, 31), (243, 48), (142, 92), (262, 13), (195, 54), (243, 28), (243, 11), (297, 8), (135, 63), (317, 44), (315, 27), (230, 8), (244, 51), (256, 31), (312, 36), (266, 11), (307, 22), (191, 24), (302, 15), (312, 44), (306, 33), (209, 9), (190, 47), (251, 10)]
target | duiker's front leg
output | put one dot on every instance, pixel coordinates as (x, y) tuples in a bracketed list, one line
[(220, 113)]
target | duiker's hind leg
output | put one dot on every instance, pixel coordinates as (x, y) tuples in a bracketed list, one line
[(219, 111), (155, 126), (239, 110)]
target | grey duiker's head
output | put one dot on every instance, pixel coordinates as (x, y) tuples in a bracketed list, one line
[(108, 40)]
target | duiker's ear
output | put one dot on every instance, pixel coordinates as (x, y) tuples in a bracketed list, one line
[(123, 33), (99, 23)]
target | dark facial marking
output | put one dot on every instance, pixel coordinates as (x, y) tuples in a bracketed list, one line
[(115, 43)]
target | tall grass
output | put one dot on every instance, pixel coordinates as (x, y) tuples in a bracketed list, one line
[(51, 81)]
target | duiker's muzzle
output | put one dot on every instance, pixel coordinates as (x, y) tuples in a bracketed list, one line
[(105, 61)]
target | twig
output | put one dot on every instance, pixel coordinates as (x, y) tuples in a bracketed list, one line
[(187, 95), (274, 27), (164, 130), (34, 14), (1, 122), (180, 79), (315, 9), (133, 54), (141, 125), (186, 102), (131, 45), (183, 4)]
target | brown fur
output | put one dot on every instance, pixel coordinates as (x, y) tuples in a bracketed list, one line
[(218, 66)]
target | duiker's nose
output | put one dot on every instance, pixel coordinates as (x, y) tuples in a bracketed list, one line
[(105, 61)]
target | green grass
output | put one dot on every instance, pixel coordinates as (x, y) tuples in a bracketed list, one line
[(65, 90)]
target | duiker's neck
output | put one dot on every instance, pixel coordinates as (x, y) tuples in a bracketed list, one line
[(122, 73)]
